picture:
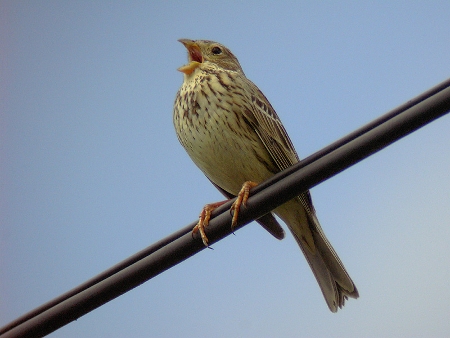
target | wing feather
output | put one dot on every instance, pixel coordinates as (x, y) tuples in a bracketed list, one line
[(273, 135)]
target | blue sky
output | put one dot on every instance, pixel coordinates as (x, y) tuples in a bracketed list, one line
[(91, 170)]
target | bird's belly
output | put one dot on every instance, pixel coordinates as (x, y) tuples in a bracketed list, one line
[(227, 157)]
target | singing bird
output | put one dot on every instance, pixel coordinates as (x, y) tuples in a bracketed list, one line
[(232, 133)]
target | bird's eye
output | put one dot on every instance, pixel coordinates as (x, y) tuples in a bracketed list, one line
[(216, 50)]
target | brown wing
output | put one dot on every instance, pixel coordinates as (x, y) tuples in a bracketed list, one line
[(333, 279), (270, 130)]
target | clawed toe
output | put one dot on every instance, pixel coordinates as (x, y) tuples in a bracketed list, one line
[(205, 215), (203, 220), (241, 199)]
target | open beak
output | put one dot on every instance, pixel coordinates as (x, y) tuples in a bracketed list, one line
[(194, 56)]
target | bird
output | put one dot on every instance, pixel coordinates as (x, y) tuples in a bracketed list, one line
[(234, 136)]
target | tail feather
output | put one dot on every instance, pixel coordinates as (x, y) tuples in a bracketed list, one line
[(333, 279)]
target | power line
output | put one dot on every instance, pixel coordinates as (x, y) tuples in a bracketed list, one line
[(284, 186)]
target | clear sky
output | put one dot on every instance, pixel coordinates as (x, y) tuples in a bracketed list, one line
[(91, 170)]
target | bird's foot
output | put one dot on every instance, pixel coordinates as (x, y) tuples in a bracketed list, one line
[(203, 220), (205, 215), (241, 199)]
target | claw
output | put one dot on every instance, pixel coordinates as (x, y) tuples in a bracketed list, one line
[(241, 199), (203, 220), (205, 215)]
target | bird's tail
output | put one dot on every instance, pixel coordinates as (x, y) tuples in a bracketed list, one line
[(333, 279)]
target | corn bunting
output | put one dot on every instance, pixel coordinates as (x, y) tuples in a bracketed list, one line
[(232, 133)]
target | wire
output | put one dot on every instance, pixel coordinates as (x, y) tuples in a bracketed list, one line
[(284, 186)]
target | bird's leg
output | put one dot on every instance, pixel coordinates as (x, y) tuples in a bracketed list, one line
[(203, 220), (205, 215), (241, 199)]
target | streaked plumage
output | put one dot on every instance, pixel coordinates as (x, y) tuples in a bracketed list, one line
[(232, 133)]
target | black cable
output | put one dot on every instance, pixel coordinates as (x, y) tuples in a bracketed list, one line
[(177, 247)]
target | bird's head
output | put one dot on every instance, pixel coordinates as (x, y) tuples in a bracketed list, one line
[(204, 51)]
